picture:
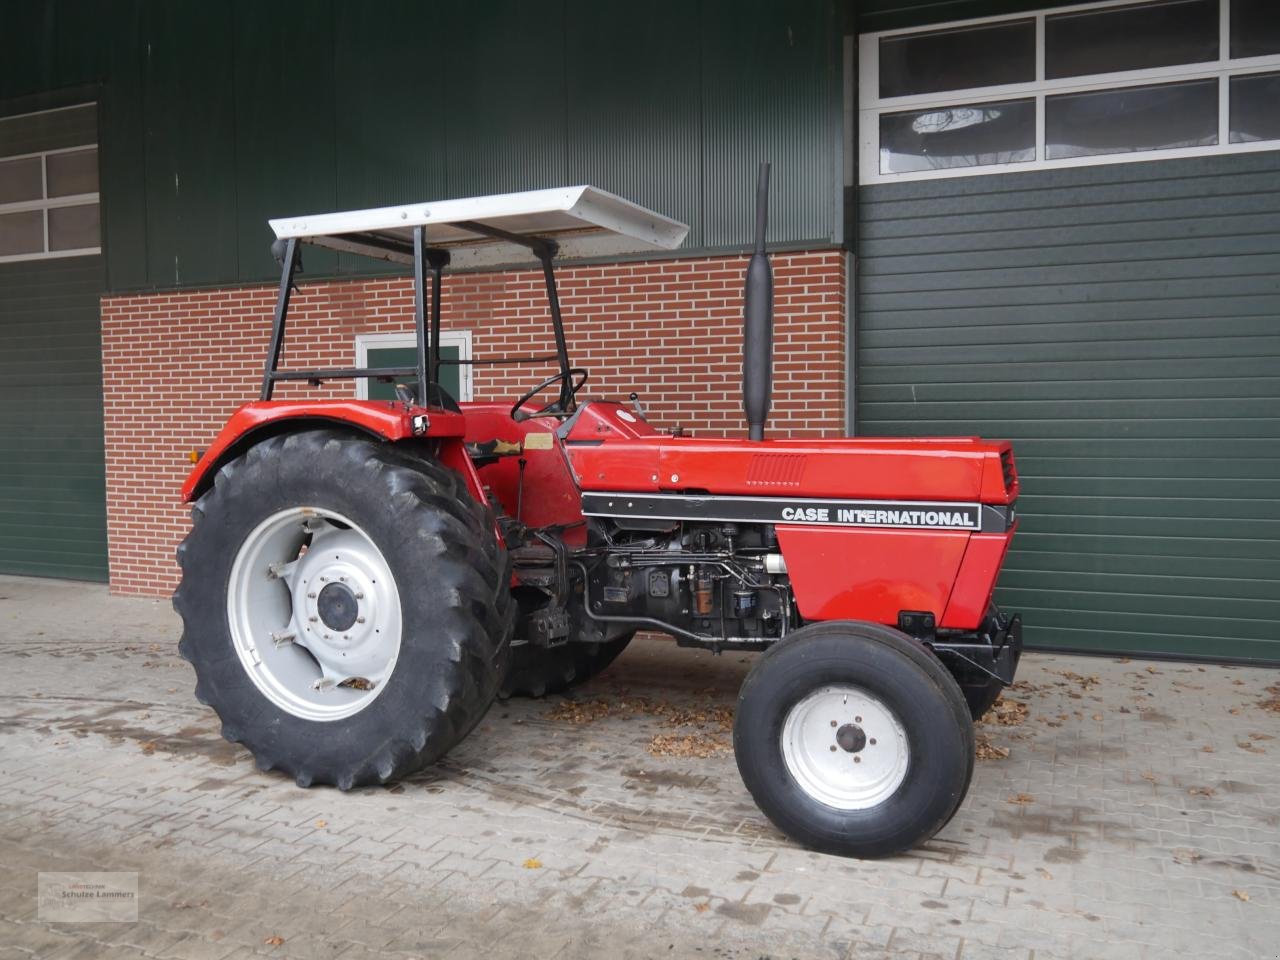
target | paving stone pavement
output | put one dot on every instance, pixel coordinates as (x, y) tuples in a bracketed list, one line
[(1135, 816)]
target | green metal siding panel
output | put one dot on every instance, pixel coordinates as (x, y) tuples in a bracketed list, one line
[(122, 152), (1121, 324), (190, 144), (633, 127), (386, 153), (52, 475), (770, 91), (284, 126), (505, 116)]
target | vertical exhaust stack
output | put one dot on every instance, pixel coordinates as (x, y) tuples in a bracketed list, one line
[(757, 321)]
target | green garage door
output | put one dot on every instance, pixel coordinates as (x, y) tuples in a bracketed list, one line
[(1121, 324), (52, 483)]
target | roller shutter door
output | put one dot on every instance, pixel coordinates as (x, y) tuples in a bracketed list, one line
[(1121, 324), (52, 476)]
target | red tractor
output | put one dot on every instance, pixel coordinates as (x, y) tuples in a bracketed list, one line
[(364, 577)]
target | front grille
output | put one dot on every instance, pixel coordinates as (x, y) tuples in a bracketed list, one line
[(1007, 468)]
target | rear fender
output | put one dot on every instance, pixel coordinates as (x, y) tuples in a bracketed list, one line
[(385, 420)]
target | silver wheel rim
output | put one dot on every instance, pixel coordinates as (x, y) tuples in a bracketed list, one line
[(302, 574), (845, 748)]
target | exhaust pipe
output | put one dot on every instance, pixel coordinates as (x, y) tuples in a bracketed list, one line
[(757, 321)]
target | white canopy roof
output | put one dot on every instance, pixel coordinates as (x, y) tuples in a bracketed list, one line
[(583, 221)]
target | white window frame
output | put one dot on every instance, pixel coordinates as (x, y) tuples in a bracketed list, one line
[(871, 105), (46, 203), (392, 341)]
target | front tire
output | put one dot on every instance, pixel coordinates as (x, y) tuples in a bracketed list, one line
[(346, 607), (853, 739)]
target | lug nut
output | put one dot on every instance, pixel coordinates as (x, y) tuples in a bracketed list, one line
[(359, 619), (857, 719), (833, 748), (857, 759), (872, 741)]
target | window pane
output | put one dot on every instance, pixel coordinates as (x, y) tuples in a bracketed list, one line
[(958, 59), (73, 228), (968, 136), (1255, 28), (1132, 119), (1130, 38), (1255, 107), (20, 180), (72, 173), (21, 232), (450, 373)]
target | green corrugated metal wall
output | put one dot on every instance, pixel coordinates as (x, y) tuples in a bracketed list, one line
[(1121, 324), (218, 116)]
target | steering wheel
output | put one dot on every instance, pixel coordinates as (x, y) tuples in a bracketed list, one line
[(569, 387)]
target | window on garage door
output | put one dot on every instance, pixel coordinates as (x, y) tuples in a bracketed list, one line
[(399, 350), (1090, 84), (49, 204)]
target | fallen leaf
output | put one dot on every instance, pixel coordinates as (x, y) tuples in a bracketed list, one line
[(149, 747), (1098, 717), (533, 863), (1151, 669), (986, 750), (1206, 749), (321, 824), (1202, 791), (699, 746), (273, 941), (1261, 736), (1021, 799), (1241, 895), (1150, 777), (1185, 855), (1006, 713), (702, 907)]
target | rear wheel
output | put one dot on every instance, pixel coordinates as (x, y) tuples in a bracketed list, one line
[(853, 739), (346, 607), (537, 671)]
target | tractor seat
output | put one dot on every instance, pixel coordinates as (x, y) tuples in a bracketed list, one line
[(437, 396)]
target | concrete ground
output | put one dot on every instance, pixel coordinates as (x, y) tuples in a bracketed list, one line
[(1134, 816)]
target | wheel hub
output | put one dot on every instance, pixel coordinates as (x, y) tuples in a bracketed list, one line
[(337, 606), (314, 613), (851, 738), (845, 747)]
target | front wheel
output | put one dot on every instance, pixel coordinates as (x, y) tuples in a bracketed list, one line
[(853, 739)]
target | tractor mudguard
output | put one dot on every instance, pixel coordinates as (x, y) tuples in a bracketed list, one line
[(387, 420)]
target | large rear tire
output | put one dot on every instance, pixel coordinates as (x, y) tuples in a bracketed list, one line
[(346, 606), (538, 671), (854, 739)]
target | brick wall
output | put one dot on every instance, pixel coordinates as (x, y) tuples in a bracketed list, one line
[(175, 365)]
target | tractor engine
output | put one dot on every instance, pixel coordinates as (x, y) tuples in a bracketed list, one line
[(715, 584)]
